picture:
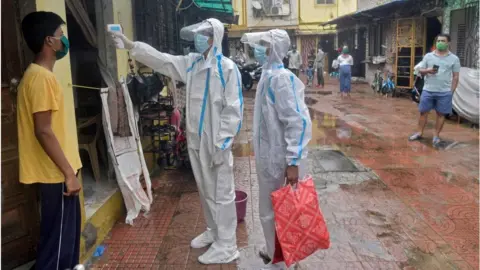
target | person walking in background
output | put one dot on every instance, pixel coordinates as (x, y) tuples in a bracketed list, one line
[(46, 154), (319, 64), (345, 63), (440, 69), (294, 60)]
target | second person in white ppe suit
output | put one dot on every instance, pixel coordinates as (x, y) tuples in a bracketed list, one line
[(214, 112), (282, 126)]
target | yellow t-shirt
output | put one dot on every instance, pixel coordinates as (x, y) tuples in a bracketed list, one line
[(39, 91)]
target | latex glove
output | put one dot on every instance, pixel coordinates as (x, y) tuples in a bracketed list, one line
[(121, 41)]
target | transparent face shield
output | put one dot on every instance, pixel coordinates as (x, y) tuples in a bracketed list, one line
[(260, 38), (275, 43), (204, 28)]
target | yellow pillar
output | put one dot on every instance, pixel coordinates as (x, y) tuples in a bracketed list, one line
[(122, 14)]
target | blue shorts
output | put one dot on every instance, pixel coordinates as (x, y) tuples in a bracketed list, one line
[(441, 102)]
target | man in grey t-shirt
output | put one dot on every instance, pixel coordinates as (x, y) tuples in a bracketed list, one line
[(440, 69)]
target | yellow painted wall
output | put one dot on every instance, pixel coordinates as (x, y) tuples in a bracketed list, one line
[(346, 7), (312, 13), (122, 14), (239, 9)]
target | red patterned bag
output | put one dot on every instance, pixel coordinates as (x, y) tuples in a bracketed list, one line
[(300, 227)]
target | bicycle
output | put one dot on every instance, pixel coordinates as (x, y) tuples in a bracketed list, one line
[(388, 87), (377, 81)]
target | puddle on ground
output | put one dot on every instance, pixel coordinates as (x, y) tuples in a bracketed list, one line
[(310, 101), (444, 144), (331, 161)]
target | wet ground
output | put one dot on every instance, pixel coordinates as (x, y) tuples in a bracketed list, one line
[(388, 203)]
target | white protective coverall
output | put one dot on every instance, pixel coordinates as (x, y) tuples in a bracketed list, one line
[(282, 126), (214, 113)]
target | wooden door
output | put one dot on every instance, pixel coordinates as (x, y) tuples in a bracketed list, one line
[(20, 214)]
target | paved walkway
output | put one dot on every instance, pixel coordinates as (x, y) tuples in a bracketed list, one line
[(389, 204)]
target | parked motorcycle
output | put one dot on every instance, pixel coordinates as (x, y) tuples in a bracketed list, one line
[(417, 89), (250, 72)]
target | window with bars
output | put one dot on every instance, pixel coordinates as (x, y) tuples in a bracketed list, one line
[(323, 2), (377, 36)]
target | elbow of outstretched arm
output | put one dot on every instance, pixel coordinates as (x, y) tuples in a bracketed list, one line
[(163, 63)]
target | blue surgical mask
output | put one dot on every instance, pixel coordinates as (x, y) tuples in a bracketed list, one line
[(260, 54), (201, 43)]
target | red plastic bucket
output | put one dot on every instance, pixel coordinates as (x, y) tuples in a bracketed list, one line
[(241, 204)]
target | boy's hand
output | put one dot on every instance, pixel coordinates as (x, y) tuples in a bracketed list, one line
[(73, 186)]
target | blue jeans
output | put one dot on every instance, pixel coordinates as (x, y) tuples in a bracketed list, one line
[(345, 78), (441, 102)]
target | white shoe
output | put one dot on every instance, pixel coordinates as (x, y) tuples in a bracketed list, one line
[(203, 240), (216, 255)]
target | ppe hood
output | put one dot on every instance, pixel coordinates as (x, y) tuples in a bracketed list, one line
[(276, 40)]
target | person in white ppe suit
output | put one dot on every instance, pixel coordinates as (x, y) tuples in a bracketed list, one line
[(214, 113), (282, 126)]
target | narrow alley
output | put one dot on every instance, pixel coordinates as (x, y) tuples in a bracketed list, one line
[(388, 203)]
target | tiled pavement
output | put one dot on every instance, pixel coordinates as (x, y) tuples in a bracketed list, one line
[(408, 207)]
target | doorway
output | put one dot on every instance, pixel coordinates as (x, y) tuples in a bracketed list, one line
[(434, 28), (327, 43), (359, 54), (88, 110), (20, 212)]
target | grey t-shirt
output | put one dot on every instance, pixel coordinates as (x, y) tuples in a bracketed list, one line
[(442, 80)]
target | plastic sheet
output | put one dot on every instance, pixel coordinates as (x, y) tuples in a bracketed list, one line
[(128, 161), (466, 98)]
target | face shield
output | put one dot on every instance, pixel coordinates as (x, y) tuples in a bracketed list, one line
[(260, 43), (272, 44), (204, 28), (200, 33)]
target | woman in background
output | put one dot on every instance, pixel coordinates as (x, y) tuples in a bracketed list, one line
[(345, 62)]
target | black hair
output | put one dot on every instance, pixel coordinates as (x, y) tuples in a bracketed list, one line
[(443, 35), (38, 25)]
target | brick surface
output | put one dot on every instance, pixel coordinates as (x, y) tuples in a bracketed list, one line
[(410, 206)]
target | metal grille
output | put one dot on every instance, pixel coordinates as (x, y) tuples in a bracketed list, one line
[(471, 36), (156, 24), (461, 32)]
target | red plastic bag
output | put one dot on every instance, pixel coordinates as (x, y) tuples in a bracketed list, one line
[(300, 227)]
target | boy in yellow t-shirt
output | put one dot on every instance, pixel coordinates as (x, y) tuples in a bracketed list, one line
[(44, 156)]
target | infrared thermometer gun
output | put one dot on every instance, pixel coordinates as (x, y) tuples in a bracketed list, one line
[(116, 28)]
